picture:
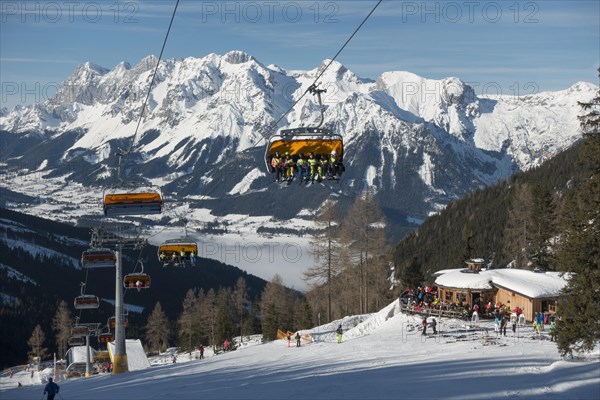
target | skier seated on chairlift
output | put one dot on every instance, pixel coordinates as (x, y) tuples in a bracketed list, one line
[(138, 285), (302, 167), (289, 166), (336, 167), (322, 167), (277, 166), (312, 166)]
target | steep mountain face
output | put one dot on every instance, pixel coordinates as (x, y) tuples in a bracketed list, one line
[(419, 143)]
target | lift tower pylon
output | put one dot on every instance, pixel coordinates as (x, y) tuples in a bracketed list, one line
[(119, 237)]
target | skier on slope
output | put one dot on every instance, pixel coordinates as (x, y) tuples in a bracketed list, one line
[(339, 332), (52, 389)]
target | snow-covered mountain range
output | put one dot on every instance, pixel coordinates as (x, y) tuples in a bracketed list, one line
[(419, 143)]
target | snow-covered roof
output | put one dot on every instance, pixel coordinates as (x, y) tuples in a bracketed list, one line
[(475, 260), (528, 283)]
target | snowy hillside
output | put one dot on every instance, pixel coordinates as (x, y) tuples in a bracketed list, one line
[(383, 356)]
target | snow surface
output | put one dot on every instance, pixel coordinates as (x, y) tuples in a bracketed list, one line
[(136, 358), (41, 251), (383, 356), (12, 273), (244, 185), (529, 283)]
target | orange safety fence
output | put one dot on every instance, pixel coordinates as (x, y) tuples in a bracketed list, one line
[(304, 337)]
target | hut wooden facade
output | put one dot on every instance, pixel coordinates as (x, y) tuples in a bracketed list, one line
[(531, 291)]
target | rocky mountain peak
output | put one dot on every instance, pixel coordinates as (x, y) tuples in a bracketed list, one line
[(420, 142)]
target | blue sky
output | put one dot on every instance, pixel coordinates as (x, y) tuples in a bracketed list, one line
[(516, 47)]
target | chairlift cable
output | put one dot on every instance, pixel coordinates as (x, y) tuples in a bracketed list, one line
[(315, 82), (153, 78)]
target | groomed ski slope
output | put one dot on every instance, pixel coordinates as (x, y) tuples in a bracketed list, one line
[(383, 356)]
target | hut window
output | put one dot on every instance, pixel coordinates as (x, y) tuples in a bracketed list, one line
[(461, 297), (449, 296)]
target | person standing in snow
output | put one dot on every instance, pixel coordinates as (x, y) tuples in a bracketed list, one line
[(226, 344), (540, 320), (339, 332), (434, 325), (513, 321), (51, 389), (503, 323), (552, 331), (424, 323), (289, 339), (201, 352), (298, 339)]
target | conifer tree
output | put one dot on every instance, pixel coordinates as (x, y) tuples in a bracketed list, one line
[(208, 307), (347, 283), (579, 310), (157, 329), (412, 276), (36, 344), (61, 323), (303, 314), (269, 322), (274, 308), (241, 299), (188, 322), (202, 317), (468, 251), (542, 230), (518, 225), (223, 317), (324, 248), (252, 324), (363, 227)]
